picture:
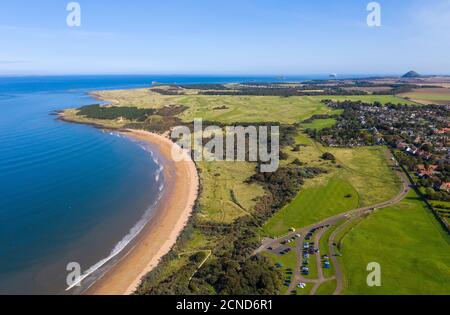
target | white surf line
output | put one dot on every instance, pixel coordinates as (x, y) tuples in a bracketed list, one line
[(135, 231)]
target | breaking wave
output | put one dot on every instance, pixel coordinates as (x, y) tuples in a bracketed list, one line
[(136, 229)]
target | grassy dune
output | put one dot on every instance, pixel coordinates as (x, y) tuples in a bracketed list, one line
[(327, 288), (408, 243), (369, 172), (225, 196)]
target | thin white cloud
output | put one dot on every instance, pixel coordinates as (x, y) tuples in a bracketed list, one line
[(433, 15)]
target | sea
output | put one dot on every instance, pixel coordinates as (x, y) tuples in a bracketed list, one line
[(73, 197)]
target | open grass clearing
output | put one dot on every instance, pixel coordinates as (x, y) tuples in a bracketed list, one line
[(327, 288), (313, 205)]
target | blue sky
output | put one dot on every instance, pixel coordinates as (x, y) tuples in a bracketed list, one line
[(224, 37)]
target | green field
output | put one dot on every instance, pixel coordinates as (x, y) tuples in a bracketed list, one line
[(320, 124), (327, 288), (313, 205), (369, 171), (408, 243), (286, 110), (234, 109), (288, 261), (324, 249), (225, 195), (405, 239), (383, 99), (428, 96)]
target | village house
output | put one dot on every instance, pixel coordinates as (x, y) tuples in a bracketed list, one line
[(445, 187), (426, 170)]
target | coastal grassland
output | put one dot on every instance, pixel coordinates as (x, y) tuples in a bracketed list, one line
[(383, 99), (320, 124), (225, 195), (369, 171), (409, 244), (142, 98), (443, 207), (235, 109), (71, 115), (360, 177), (313, 205), (325, 250)]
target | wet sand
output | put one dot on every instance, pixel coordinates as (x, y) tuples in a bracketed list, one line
[(158, 237)]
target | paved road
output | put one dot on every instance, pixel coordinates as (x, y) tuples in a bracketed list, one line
[(348, 218)]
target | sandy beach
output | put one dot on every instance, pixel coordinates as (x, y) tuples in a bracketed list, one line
[(160, 234)]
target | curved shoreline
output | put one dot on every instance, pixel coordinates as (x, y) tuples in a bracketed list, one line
[(161, 233)]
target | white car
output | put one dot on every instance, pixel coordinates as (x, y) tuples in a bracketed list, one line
[(301, 285)]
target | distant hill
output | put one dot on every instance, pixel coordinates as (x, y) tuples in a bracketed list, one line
[(411, 74)]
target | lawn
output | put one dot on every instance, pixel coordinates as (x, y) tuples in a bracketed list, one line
[(313, 205), (408, 243), (324, 249), (287, 110), (327, 288)]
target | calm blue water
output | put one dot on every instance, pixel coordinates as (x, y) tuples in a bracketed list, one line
[(68, 192)]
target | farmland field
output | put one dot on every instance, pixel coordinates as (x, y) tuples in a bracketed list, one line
[(439, 96)]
